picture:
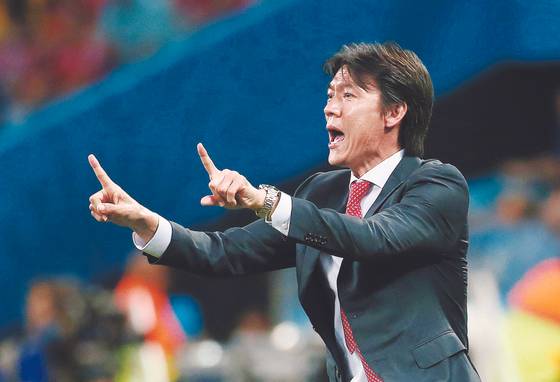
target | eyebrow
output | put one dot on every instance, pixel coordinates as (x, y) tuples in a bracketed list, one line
[(330, 86)]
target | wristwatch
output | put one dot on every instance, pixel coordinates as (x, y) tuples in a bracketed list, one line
[(270, 199)]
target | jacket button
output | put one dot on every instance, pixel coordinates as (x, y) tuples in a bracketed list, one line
[(354, 315)]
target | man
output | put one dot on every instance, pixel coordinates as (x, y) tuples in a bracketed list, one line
[(380, 249)]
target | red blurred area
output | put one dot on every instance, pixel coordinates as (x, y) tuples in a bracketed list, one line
[(51, 47)]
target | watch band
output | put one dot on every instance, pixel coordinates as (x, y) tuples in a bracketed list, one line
[(272, 195)]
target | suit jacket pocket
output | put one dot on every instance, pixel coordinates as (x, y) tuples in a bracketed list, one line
[(437, 349)]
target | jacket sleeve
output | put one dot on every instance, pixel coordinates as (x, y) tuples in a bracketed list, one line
[(254, 248), (429, 218)]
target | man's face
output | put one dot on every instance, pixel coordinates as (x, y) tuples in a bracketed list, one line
[(355, 122)]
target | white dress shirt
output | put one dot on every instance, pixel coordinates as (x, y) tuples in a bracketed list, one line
[(280, 220)]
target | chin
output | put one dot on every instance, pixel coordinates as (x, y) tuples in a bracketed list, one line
[(335, 160)]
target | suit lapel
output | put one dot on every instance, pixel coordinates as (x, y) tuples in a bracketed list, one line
[(405, 167)]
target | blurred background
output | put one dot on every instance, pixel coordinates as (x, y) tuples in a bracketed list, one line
[(140, 82)]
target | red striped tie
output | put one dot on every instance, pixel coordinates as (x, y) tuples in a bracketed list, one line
[(358, 189)]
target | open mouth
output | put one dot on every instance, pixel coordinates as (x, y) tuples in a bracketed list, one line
[(335, 136)]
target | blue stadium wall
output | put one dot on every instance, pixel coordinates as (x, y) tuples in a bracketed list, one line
[(250, 87)]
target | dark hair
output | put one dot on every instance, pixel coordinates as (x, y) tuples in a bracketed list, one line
[(401, 78)]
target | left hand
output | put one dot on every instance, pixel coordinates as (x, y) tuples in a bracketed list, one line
[(229, 188), (113, 204)]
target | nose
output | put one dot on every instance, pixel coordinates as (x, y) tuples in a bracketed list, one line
[(332, 108)]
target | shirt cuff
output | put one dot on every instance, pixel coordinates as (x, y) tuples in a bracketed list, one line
[(157, 245), (280, 218)]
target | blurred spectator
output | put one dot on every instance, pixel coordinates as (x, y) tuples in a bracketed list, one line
[(142, 295), (72, 334), (49, 48), (285, 352), (550, 212), (516, 237), (45, 353), (532, 324), (83, 57)]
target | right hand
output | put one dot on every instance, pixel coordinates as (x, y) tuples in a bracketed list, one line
[(113, 204), (229, 188)]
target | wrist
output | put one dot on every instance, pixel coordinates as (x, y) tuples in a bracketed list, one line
[(147, 225)]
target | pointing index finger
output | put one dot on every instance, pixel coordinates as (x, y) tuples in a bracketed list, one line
[(99, 172), (209, 166)]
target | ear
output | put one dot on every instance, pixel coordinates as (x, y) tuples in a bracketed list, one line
[(394, 114)]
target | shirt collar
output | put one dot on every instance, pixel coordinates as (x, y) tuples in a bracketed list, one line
[(380, 173)]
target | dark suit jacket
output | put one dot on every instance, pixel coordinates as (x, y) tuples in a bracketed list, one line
[(402, 282)]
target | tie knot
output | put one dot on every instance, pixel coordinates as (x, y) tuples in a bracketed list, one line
[(358, 189)]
